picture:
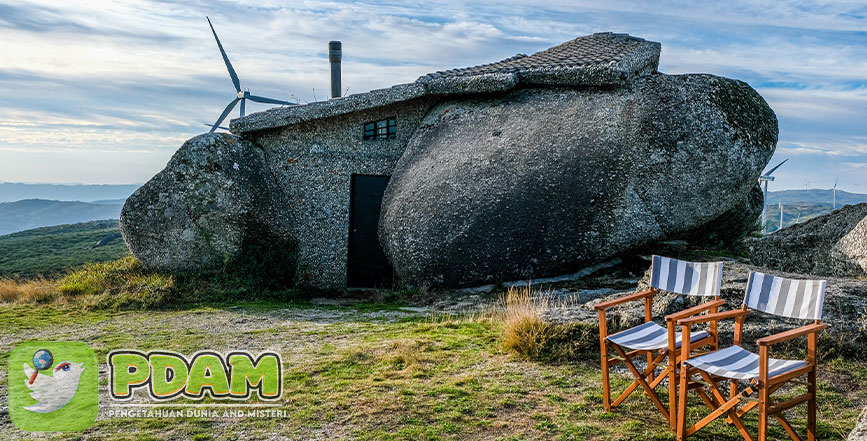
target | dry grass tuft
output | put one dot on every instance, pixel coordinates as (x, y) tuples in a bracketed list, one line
[(525, 329), (37, 290), (527, 333)]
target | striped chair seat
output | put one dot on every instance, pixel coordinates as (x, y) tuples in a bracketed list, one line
[(738, 363), (649, 336)]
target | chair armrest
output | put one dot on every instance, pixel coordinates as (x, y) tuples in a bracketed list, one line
[(694, 310), (711, 317), (788, 335), (631, 297)]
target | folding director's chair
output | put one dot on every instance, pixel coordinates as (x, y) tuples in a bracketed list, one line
[(658, 342), (802, 299)]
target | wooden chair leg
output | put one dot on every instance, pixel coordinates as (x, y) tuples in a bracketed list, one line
[(672, 391), (811, 405), (763, 412), (681, 402), (606, 386), (788, 427), (653, 396)]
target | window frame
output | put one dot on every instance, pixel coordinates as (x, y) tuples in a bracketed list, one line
[(380, 129)]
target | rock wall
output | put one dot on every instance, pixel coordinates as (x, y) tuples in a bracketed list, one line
[(313, 163), (539, 182)]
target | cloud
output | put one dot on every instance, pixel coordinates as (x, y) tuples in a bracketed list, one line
[(137, 78)]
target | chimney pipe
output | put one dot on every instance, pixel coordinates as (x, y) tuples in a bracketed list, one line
[(335, 54)]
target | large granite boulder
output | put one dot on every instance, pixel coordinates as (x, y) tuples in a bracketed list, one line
[(831, 245), (214, 203), (540, 182)]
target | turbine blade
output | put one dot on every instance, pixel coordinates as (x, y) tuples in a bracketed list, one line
[(778, 166), (232, 73), (243, 102), (223, 115), (262, 99), (219, 127)]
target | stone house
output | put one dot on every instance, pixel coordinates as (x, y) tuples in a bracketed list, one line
[(334, 158)]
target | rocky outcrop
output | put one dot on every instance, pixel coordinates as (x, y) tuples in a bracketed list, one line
[(543, 181), (831, 245), (214, 202)]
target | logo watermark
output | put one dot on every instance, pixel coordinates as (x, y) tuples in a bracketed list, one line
[(166, 375), (53, 386)]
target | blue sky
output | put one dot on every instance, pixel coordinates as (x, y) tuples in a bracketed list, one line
[(105, 92)]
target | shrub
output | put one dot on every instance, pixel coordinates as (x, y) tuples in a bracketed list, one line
[(122, 283)]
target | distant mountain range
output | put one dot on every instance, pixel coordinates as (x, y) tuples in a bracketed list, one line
[(815, 196), (34, 213), (11, 192)]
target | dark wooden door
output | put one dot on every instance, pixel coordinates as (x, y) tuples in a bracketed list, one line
[(367, 267)]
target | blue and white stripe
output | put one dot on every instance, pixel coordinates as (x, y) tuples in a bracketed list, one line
[(738, 363), (690, 278), (650, 336), (794, 298)]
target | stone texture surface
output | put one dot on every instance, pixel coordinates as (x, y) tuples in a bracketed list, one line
[(214, 200), (539, 182), (859, 433), (831, 245), (313, 164), (727, 229), (845, 307)]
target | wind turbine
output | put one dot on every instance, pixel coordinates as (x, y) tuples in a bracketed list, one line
[(243, 95), (835, 192), (764, 178)]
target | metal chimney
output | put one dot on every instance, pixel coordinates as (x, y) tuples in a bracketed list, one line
[(335, 54)]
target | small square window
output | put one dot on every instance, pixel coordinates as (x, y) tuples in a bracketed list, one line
[(369, 133), (382, 129)]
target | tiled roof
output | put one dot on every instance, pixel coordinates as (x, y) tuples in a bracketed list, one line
[(601, 49), (602, 59)]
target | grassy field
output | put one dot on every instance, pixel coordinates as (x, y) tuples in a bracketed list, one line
[(375, 370), (52, 251), (386, 372)]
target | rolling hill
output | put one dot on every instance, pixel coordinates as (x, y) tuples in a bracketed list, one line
[(35, 213), (12, 191), (54, 250), (814, 196)]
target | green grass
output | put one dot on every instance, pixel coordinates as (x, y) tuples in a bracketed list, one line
[(51, 251), (360, 375)]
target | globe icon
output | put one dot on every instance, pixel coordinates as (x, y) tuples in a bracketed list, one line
[(42, 359)]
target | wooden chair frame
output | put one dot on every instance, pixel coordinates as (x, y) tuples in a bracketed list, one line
[(764, 386), (647, 379)]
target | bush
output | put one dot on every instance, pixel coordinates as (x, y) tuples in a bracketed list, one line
[(123, 283)]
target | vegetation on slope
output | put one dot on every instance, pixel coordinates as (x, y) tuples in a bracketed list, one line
[(51, 251)]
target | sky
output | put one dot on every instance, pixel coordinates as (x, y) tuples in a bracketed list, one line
[(105, 92)]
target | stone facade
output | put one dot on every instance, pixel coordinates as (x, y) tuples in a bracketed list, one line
[(313, 163)]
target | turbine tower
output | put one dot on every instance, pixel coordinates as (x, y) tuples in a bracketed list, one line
[(835, 192), (243, 95), (764, 178)]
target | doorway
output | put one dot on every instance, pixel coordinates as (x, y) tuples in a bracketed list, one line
[(367, 265)]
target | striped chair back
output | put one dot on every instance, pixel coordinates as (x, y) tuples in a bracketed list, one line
[(794, 298), (691, 278)]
